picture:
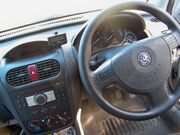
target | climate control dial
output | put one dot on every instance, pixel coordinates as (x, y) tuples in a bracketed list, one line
[(34, 126), (40, 99)]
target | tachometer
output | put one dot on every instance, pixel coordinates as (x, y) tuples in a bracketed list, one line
[(113, 34)]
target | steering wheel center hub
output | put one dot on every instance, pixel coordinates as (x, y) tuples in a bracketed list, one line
[(138, 66)]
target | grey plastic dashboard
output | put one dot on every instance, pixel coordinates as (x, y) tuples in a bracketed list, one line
[(69, 25)]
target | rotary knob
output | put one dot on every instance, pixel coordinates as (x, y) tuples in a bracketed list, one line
[(34, 126), (40, 99)]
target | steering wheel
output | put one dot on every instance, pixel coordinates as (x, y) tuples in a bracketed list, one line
[(141, 68)]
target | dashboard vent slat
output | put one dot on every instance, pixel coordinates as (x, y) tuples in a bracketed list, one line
[(45, 69), (18, 76), (155, 20)]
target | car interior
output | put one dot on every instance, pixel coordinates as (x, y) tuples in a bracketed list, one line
[(108, 71)]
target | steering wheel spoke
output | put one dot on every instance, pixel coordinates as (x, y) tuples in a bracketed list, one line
[(104, 75), (157, 97)]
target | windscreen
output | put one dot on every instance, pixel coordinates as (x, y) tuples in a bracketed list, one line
[(15, 13)]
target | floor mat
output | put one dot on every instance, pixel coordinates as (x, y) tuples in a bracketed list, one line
[(115, 126), (96, 121)]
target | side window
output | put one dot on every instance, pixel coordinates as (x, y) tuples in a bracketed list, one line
[(176, 11)]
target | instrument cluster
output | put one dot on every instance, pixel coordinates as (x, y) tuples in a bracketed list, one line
[(111, 35)]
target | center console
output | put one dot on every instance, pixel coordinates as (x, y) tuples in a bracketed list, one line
[(39, 88)]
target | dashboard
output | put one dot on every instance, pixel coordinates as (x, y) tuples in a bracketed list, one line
[(40, 85)]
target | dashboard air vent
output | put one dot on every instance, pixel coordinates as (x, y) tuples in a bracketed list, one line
[(47, 69), (22, 75), (154, 20), (18, 76)]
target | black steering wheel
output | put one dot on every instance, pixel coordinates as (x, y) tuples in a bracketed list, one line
[(141, 68)]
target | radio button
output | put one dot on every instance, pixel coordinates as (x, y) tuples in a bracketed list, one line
[(50, 96)]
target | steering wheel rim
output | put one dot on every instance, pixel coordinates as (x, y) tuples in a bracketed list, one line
[(91, 81)]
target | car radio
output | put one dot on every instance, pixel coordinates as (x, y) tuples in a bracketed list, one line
[(41, 98)]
